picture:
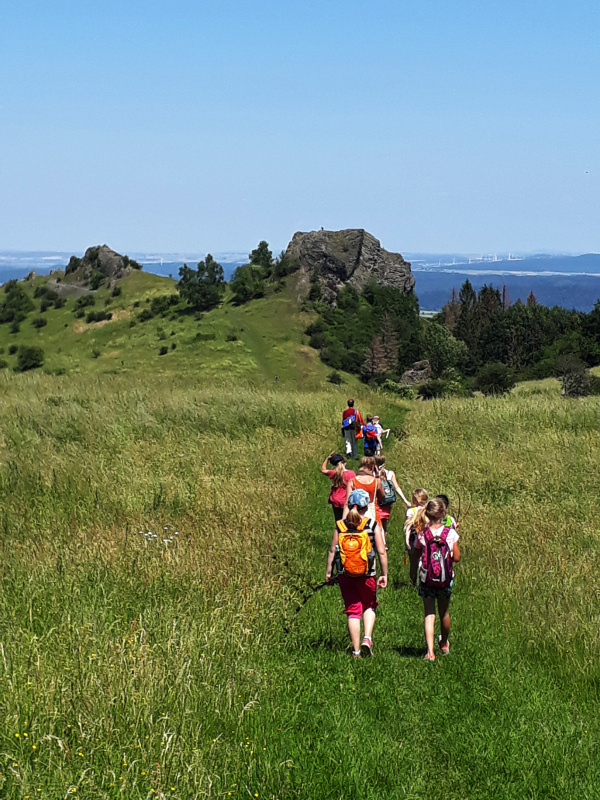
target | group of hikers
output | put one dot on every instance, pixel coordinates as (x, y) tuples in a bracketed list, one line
[(362, 502)]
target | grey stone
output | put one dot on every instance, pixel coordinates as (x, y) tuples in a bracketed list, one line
[(420, 372), (351, 256)]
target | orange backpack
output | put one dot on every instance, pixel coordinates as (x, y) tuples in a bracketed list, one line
[(356, 550)]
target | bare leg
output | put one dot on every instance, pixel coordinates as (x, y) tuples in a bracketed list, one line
[(443, 603), (384, 524), (354, 630), (369, 616), (429, 607), (413, 558)]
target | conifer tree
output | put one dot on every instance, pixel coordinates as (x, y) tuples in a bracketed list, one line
[(532, 300), (375, 363), (389, 341)]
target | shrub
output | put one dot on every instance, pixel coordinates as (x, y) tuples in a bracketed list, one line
[(3, 363), (29, 358), (335, 378), (136, 304), (95, 353), (173, 345), (231, 337), (60, 302), (575, 378), (205, 337), (96, 280), (107, 301), (116, 292), (16, 304), (39, 322), (13, 349), (84, 301), (98, 316), (494, 378), (432, 389), (44, 306), (163, 351), (79, 313), (161, 304), (14, 327), (145, 315)]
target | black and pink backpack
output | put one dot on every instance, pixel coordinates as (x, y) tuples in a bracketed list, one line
[(436, 570)]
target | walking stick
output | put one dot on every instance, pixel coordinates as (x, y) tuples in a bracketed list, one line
[(314, 590)]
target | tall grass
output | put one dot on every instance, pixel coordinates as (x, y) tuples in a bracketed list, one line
[(158, 535)]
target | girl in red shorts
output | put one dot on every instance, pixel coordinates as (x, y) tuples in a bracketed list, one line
[(359, 592)]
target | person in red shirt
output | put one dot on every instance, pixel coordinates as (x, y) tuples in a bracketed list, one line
[(352, 422), (339, 477)]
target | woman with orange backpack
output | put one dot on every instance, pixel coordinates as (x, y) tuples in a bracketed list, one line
[(355, 542), (437, 543)]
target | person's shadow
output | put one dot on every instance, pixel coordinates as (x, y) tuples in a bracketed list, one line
[(409, 651)]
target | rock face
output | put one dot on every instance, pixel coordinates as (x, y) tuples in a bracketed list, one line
[(420, 372), (352, 256), (101, 259)]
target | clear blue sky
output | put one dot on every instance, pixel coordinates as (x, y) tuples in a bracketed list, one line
[(438, 125)]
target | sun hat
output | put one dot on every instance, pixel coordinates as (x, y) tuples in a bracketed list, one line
[(336, 459), (359, 498)]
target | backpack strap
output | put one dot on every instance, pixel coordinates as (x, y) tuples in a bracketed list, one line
[(362, 524), (444, 534), (341, 526)]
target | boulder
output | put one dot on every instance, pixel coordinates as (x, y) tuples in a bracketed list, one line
[(420, 372), (353, 256)]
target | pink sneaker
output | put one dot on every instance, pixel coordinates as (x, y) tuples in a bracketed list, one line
[(366, 647), (446, 648)]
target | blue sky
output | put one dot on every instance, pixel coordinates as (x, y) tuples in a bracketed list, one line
[(172, 126)]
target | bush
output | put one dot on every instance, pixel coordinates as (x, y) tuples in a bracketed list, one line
[(161, 304), (173, 345), (145, 315), (60, 302), (84, 301), (13, 349), (136, 304), (432, 389), (205, 337), (231, 337), (14, 327), (335, 378), (116, 291), (3, 363), (95, 353), (44, 306), (163, 351), (29, 358), (576, 379), (16, 304), (98, 316), (96, 280), (39, 322), (494, 378)]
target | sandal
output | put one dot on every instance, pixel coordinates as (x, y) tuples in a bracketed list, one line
[(366, 647), (446, 648)]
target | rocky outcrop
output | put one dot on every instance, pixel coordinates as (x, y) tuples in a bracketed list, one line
[(420, 372), (336, 258), (102, 259)]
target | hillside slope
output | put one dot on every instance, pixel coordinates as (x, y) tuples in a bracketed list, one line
[(254, 342)]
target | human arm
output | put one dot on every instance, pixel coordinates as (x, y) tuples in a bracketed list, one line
[(380, 494), (383, 560), (324, 469), (456, 553), (397, 487), (330, 556)]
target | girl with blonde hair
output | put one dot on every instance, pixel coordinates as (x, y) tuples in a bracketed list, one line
[(366, 479), (419, 500)]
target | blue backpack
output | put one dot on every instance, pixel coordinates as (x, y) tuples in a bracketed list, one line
[(349, 421)]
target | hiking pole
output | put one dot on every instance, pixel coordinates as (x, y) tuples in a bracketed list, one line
[(315, 589)]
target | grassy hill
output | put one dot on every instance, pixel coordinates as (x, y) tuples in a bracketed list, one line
[(254, 342)]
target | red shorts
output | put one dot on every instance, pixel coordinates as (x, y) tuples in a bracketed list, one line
[(385, 511), (358, 594)]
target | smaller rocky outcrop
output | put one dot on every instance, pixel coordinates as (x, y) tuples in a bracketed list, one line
[(101, 259), (420, 372)]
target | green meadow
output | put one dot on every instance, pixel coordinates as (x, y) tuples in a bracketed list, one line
[(159, 532)]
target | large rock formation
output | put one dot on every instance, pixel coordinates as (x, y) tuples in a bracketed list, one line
[(102, 259), (336, 258)]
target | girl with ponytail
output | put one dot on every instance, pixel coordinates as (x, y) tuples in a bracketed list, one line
[(339, 477)]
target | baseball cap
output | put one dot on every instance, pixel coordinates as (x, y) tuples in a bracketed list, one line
[(336, 459), (358, 498)]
